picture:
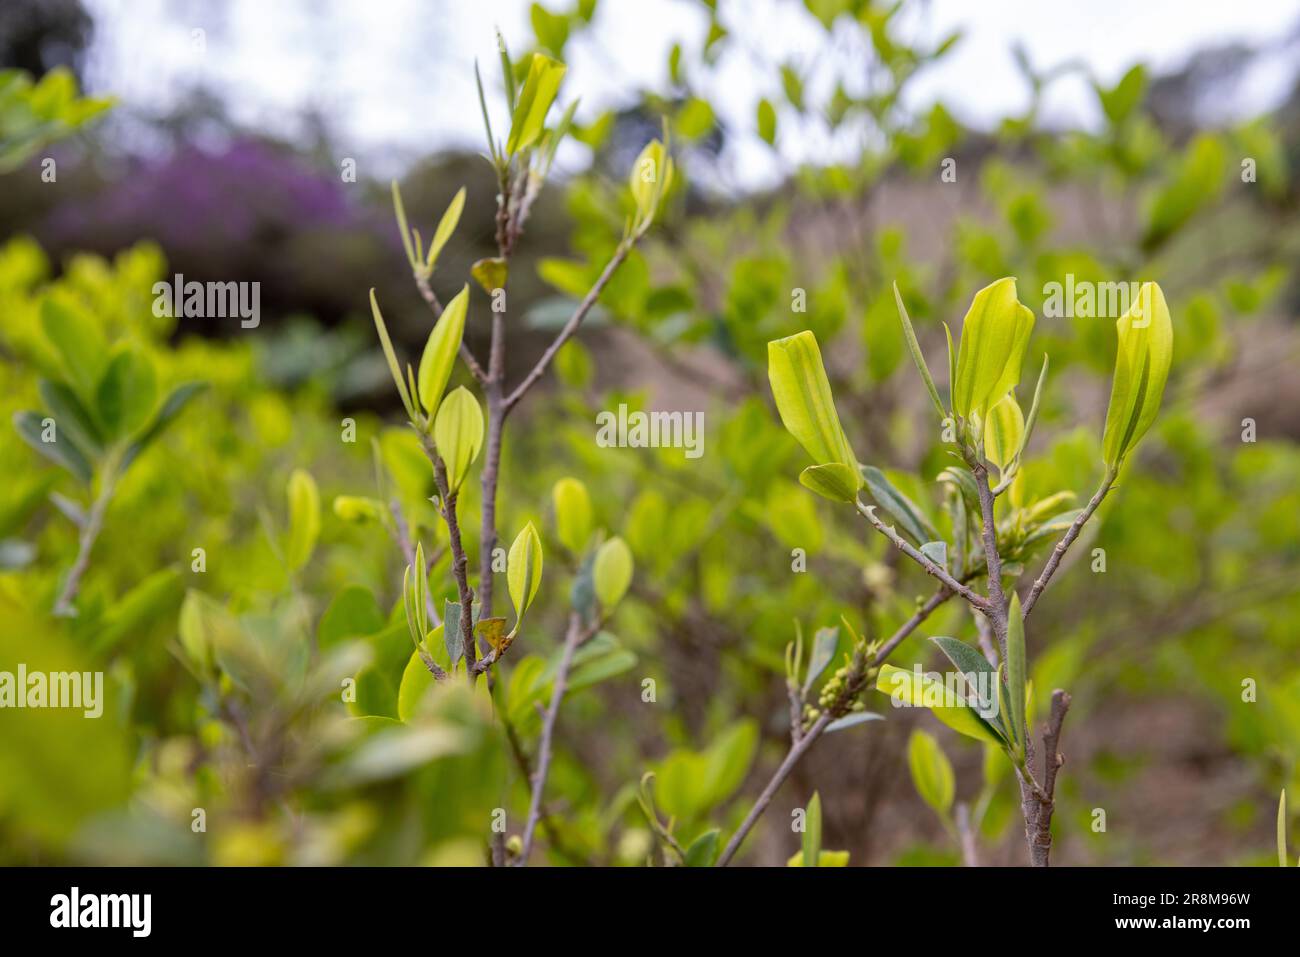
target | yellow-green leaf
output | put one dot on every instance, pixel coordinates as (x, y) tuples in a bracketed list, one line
[(446, 226), (534, 102), (304, 519), (652, 175), (390, 356), (1003, 429), (524, 569), (490, 273), (612, 572), (440, 352), (1016, 673), (1281, 830), (358, 509), (458, 434), (572, 514), (803, 399), (930, 693), (993, 339), (931, 771), (824, 859), (1146, 347)]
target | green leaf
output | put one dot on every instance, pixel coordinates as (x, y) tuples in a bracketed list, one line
[(416, 682), (1146, 343), (71, 416), (62, 451), (766, 121), (611, 572), (391, 357), (167, 412), (917, 357), (898, 506), (304, 519), (703, 850), (572, 514), (824, 859), (931, 772), (446, 226), (968, 661), (524, 569), (852, 720), (353, 613), (535, 99), (399, 209), (440, 352), (807, 409), (1016, 671), (1033, 410), (812, 833), (903, 687), (458, 434), (154, 600), (451, 632), (993, 339), (127, 393), (825, 641), (79, 343)]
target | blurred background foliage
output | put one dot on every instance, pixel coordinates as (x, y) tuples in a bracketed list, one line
[(223, 685)]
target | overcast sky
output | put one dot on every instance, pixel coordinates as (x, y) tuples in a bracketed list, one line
[(396, 79)]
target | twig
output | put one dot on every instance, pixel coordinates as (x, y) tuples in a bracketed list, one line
[(90, 529), (459, 561), (571, 326), (577, 634), (525, 768), (1066, 541), (931, 567), (1041, 848), (966, 837), (806, 740)]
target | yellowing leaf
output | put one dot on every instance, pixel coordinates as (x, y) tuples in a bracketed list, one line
[(993, 339), (1146, 348), (803, 399), (458, 434), (612, 572), (304, 519), (524, 569), (652, 175), (535, 99), (493, 631), (440, 352), (490, 273), (1003, 429)]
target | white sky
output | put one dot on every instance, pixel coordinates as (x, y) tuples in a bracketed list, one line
[(396, 78)]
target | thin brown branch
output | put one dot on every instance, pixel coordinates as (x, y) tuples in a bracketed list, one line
[(1066, 541), (966, 837), (577, 634), (571, 326), (931, 568), (1041, 848), (89, 534), (806, 740)]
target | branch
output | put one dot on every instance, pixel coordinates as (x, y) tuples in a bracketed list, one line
[(966, 837), (1066, 541), (459, 561), (805, 741), (90, 529), (931, 568), (1041, 848), (576, 636), (572, 325)]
